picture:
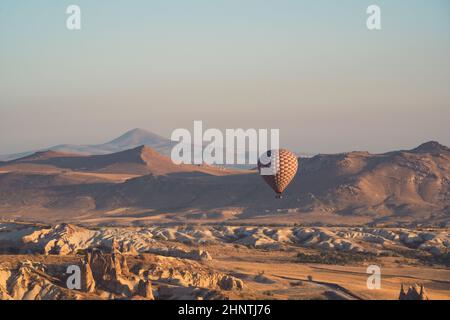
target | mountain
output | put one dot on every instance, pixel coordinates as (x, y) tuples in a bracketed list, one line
[(431, 147), (128, 140), (409, 183), (141, 160), (138, 137), (399, 187)]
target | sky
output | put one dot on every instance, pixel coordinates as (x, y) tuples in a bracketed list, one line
[(309, 68)]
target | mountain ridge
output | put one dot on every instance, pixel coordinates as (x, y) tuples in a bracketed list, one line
[(350, 188), (137, 161), (130, 139)]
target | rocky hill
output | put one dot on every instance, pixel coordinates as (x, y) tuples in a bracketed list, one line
[(350, 188), (138, 161)]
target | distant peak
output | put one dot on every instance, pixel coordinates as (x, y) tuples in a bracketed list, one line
[(137, 137), (137, 130), (431, 147)]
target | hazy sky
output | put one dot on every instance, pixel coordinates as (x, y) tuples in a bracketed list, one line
[(310, 68)]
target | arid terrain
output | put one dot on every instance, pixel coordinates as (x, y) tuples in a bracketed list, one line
[(140, 186), (220, 262), (140, 227)]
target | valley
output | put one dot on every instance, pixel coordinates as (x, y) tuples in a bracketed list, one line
[(220, 262)]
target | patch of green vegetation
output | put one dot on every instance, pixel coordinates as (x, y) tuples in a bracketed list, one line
[(424, 258), (335, 258), (436, 260)]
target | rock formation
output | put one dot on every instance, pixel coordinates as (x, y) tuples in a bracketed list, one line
[(415, 292), (109, 272), (31, 281), (66, 239), (145, 289), (87, 280), (231, 283)]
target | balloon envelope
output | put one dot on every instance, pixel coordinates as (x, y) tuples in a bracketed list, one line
[(278, 168)]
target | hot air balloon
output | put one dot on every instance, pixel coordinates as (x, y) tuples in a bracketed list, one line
[(278, 168)]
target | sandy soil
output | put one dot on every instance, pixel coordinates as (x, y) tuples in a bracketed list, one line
[(279, 268)]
